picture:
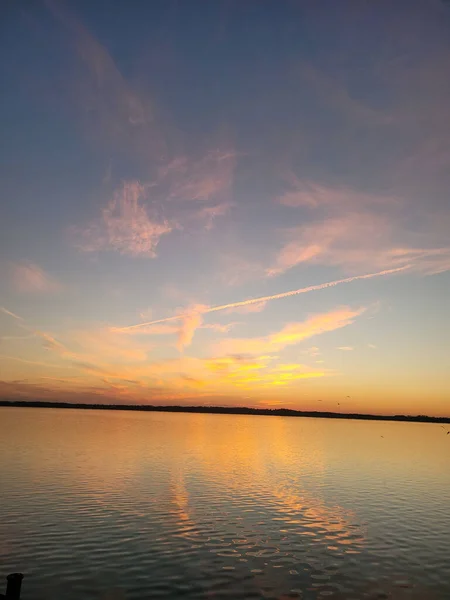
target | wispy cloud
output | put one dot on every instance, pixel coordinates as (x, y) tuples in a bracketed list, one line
[(10, 313), (351, 241), (16, 337), (125, 225), (428, 261), (107, 102), (27, 361), (124, 117), (345, 348), (208, 214), (310, 194), (190, 321), (28, 277), (140, 213), (291, 334), (169, 329), (248, 372), (313, 351), (95, 350), (225, 364), (244, 303), (146, 314), (220, 328), (355, 230), (249, 308), (356, 241), (235, 270), (101, 345), (206, 179), (331, 91), (51, 343), (161, 329), (91, 368)]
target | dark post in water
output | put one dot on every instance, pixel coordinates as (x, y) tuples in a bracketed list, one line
[(13, 585)]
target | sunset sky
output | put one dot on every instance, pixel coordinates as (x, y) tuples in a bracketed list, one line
[(172, 170)]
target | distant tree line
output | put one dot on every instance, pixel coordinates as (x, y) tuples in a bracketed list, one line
[(226, 410)]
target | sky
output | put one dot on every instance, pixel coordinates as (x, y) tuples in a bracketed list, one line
[(234, 203)]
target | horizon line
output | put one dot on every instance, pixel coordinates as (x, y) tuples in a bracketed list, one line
[(212, 409)]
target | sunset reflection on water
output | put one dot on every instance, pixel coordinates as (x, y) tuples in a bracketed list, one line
[(223, 506)]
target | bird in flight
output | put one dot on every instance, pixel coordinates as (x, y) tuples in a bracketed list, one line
[(448, 432)]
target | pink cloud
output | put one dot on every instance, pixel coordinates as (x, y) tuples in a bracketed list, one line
[(209, 178), (356, 230), (356, 241), (208, 214), (349, 241), (125, 225), (29, 277)]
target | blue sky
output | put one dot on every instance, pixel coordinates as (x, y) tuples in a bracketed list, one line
[(160, 159)]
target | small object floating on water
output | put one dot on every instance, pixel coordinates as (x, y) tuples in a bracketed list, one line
[(13, 585)]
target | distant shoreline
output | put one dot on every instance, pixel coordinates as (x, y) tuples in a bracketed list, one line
[(226, 410)]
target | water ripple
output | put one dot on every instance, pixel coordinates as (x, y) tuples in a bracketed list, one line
[(204, 506)]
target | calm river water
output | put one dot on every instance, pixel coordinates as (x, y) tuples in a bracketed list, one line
[(123, 505)]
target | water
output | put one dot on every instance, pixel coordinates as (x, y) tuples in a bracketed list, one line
[(115, 505)]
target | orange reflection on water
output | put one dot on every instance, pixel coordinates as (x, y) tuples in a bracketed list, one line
[(263, 454), (253, 490)]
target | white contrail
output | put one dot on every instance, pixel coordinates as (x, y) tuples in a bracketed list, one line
[(311, 288), (10, 313)]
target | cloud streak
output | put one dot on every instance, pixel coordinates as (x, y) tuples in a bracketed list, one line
[(310, 194), (107, 102), (10, 313), (190, 321), (125, 225), (252, 301), (354, 241), (28, 277), (292, 334), (203, 180)]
